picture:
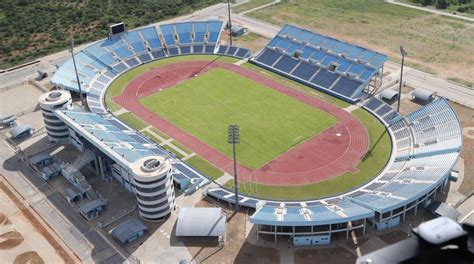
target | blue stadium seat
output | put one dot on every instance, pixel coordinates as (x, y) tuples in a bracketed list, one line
[(346, 86), (286, 64), (324, 79), (168, 34), (305, 70), (151, 37), (268, 57), (200, 29)]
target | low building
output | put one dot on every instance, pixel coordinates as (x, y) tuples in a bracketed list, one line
[(21, 131), (422, 96), (237, 30), (92, 209), (8, 121), (129, 230), (388, 95), (201, 222), (40, 160)]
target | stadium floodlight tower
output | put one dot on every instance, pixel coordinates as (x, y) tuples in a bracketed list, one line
[(403, 53), (229, 24), (234, 138), (75, 69)]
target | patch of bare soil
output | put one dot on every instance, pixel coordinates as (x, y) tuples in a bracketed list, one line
[(466, 115), (30, 257), (10, 240), (338, 255), (393, 237)]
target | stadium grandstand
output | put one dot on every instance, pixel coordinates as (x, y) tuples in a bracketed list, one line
[(99, 64), (335, 67), (425, 143)]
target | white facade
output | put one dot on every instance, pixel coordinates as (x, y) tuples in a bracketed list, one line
[(57, 130), (154, 187)]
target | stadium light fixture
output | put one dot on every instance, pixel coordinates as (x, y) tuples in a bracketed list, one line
[(403, 53), (75, 69), (233, 137), (229, 24)]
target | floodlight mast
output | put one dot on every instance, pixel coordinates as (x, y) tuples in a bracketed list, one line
[(403, 53), (229, 24), (234, 138), (75, 69)]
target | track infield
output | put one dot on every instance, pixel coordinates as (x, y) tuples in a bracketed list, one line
[(336, 150)]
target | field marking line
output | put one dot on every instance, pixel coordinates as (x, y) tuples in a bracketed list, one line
[(145, 128), (188, 156), (120, 111), (240, 62)]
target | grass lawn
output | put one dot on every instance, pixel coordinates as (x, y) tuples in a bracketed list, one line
[(373, 162), (250, 40), (132, 120), (435, 43), (205, 167), (270, 122), (120, 83), (249, 5)]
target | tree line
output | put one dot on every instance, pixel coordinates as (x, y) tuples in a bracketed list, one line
[(31, 29), (460, 5)]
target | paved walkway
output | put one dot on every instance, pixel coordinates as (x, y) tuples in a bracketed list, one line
[(431, 10), (259, 7)]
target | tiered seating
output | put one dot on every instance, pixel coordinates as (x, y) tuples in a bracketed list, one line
[(119, 140), (191, 37), (406, 179), (382, 110), (418, 168), (436, 128), (339, 211), (311, 58), (101, 62), (234, 51)]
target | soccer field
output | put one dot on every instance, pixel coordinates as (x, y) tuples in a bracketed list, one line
[(270, 122)]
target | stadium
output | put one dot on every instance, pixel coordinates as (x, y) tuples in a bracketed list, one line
[(319, 154)]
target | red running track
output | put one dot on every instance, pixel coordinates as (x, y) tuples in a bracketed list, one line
[(329, 154)]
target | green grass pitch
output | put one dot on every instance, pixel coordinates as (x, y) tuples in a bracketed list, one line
[(270, 122)]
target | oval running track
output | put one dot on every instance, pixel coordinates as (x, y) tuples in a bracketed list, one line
[(328, 154)]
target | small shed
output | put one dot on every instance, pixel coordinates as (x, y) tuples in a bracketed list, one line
[(73, 196), (237, 30), (22, 131), (443, 209), (388, 95), (92, 209), (422, 95), (201, 222), (41, 159), (49, 171), (129, 230), (8, 121)]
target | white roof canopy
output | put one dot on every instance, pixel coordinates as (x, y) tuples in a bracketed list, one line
[(202, 222)]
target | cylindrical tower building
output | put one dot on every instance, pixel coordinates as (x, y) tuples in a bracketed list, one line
[(154, 187), (49, 102)]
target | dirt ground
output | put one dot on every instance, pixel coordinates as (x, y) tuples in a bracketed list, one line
[(23, 239), (235, 249), (30, 257), (466, 115), (393, 237), (249, 40), (337, 255)]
